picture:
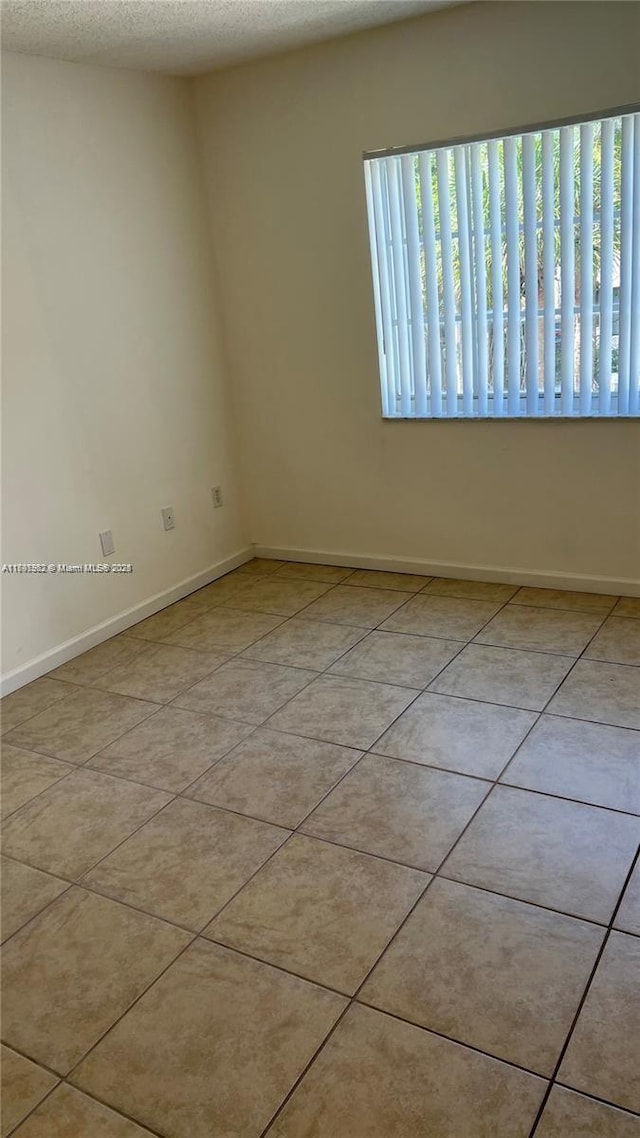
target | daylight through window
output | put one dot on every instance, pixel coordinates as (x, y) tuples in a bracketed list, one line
[(507, 274)]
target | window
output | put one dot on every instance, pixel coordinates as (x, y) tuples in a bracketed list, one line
[(506, 274)]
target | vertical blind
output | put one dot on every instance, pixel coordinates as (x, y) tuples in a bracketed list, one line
[(506, 274)]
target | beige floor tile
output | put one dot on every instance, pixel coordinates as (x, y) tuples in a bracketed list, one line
[(213, 1047), (224, 629), (80, 725), (25, 892), (24, 1085), (565, 599), (503, 675), (74, 970), (380, 1078), (340, 710), (586, 761), (618, 641), (258, 567), (80, 819), (274, 776), (570, 1115), (222, 591), (187, 862), (450, 617), (28, 701), (282, 597), (91, 665), (563, 855), (161, 672), (457, 734), (603, 1056), (67, 1113), (381, 579), (628, 606), (471, 590), (543, 630), (364, 608), (603, 693), (321, 911), (246, 690), (412, 814), (305, 644), (488, 971), (628, 915), (394, 658), (330, 574), (170, 749), (24, 774), (170, 619)]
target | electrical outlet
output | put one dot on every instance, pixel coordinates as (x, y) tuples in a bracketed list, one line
[(168, 518), (107, 543), (216, 497)]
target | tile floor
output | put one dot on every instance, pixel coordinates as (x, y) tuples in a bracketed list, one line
[(323, 853)]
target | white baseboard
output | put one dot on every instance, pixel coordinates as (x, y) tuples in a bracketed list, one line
[(37, 667), (551, 579)]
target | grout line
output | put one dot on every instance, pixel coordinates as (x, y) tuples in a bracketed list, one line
[(232, 948), (39, 1063), (32, 1110), (583, 999), (452, 1039), (100, 685), (118, 1112), (598, 1098), (133, 1003), (263, 1133), (559, 608), (62, 893), (6, 818)]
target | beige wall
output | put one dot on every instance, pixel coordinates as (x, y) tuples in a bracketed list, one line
[(283, 141), (114, 393)]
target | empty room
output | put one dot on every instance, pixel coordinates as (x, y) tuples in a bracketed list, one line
[(320, 584)]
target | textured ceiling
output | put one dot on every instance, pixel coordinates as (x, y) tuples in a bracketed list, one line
[(187, 37)]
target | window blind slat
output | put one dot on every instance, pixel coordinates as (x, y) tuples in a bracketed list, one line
[(390, 383), (402, 306), (464, 253), (606, 266), (530, 218), (497, 289), (479, 257), (448, 293), (548, 270), (431, 283), (514, 315), (586, 267), (567, 265), (626, 252), (634, 353), (382, 363), (418, 348)]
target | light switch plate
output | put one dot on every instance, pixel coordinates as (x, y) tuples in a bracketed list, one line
[(107, 543)]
